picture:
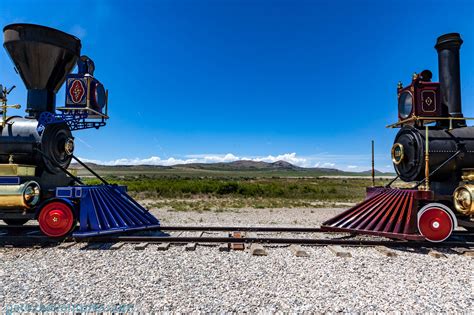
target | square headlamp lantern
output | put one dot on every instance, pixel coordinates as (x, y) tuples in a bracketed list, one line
[(420, 98)]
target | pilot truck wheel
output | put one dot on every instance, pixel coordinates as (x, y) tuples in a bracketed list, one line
[(436, 222), (56, 219)]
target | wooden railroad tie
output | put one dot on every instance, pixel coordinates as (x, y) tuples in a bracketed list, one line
[(192, 246), (255, 249), (298, 251), (141, 246), (464, 251), (469, 253), (436, 254), (224, 247), (163, 246), (237, 246), (117, 245), (339, 251), (92, 246), (166, 246), (66, 245), (386, 251)]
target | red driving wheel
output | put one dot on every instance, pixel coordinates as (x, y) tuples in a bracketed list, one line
[(56, 219), (435, 222)]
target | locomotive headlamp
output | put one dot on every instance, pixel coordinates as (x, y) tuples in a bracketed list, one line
[(463, 196), (405, 104), (31, 194), (397, 153), (69, 146)]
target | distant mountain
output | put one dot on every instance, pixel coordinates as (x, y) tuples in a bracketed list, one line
[(238, 168), (241, 165), (95, 166), (377, 173)]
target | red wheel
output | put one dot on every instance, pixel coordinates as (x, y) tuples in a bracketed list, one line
[(435, 222), (56, 219)]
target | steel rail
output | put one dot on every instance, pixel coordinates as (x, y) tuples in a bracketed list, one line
[(31, 240), (243, 229), (214, 228), (269, 240), (203, 228)]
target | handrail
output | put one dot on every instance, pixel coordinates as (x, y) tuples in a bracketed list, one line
[(421, 118)]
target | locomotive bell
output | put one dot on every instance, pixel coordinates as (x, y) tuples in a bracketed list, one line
[(43, 57)]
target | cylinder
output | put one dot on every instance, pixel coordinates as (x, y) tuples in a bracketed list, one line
[(448, 46), (409, 150), (23, 196)]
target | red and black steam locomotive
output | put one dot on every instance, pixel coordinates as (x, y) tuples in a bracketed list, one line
[(434, 149), (36, 150)]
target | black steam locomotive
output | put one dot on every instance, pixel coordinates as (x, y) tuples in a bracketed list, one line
[(36, 150), (434, 149)]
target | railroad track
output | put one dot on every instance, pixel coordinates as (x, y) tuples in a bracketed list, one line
[(30, 235)]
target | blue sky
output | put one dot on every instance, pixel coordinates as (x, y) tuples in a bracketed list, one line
[(310, 82)]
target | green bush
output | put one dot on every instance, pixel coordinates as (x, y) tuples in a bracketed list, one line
[(308, 189)]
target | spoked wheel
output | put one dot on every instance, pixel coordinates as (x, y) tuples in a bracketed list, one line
[(56, 219), (15, 221), (436, 222)]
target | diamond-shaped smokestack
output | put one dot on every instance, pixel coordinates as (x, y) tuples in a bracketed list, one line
[(43, 57)]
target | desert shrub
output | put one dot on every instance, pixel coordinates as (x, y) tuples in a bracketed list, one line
[(182, 187)]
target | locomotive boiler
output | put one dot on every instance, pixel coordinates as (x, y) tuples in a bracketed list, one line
[(37, 149), (434, 151)]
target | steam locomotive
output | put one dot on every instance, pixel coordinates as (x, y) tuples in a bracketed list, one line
[(36, 150), (434, 149)]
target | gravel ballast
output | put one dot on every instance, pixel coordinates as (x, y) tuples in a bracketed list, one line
[(211, 281)]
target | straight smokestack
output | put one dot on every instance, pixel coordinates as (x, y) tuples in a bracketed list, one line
[(448, 46)]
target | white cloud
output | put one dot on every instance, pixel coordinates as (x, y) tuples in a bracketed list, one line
[(352, 167), (206, 158), (287, 157), (324, 164)]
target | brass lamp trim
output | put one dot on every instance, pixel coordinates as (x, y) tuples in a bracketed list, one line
[(398, 153)]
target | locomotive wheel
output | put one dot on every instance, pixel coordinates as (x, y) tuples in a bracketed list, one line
[(15, 221), (56, 219), (436, 222)]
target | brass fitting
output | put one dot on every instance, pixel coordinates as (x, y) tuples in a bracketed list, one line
[(463, 199), (12, 169), (23, 196), (397, 153), (468, 174)]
